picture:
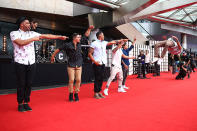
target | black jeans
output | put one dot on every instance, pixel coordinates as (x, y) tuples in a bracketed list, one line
[(24, 76), (147, 67), (181, 75), (125, 74), (156, 69), (173, 67), (99, 72), (143, 70)]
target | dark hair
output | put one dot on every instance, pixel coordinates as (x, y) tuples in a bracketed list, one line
[(141, 51), (98, 33), (74, 35), (31, 20), (20, 20), (34, 21)]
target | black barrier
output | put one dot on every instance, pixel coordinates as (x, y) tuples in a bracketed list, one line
[(5, 58), (46, 75)]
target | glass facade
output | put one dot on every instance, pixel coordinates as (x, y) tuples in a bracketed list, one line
[(186, 16), (116, 2)]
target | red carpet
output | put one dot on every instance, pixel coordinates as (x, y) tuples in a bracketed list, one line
[(156, 104)]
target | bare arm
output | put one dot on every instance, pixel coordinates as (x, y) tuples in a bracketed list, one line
[(111, 43), (87, 33), (118, 47), (179, 57), (50, 36), (188, 63), (123, 63), (184, 68), (53, 55), (91, 50), (26, 42), (134, 41), (116, 41), (178, 43), (125, 66), (172, 56)]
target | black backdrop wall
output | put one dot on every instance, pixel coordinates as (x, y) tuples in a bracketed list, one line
[(46, 75)]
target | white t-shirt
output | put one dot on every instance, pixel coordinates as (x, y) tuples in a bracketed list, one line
[(147, 58), (24, 54), (99, 54), (117, 57)]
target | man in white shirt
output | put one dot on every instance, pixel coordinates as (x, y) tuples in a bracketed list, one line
[(24, 58), (147, 61), (116, 68), (98, 56)]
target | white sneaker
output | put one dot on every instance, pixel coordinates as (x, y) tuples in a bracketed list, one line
[(105, 91), (121, 90), (124, 87)]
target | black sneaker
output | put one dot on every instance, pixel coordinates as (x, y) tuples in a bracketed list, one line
[(101, 95), (76, 97), (71, 97), (27, 107), (21, 108)]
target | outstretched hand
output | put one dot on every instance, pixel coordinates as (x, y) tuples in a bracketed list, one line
[(91, 27), (174, 37), (134, 39), (121, 43), (96, 63), (125, 40), (63, 37), (52, 59)]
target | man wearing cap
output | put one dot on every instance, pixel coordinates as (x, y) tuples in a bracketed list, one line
[(24, 58)]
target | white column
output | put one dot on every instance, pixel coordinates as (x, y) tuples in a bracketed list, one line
[(184, 40)]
